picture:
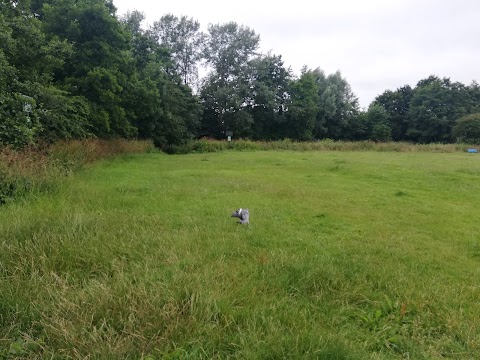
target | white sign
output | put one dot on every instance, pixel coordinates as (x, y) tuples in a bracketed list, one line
[(27, 107)]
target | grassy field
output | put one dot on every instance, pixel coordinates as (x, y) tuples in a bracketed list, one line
[(349, 255)]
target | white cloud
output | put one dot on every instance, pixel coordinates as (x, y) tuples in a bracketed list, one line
[(376, 44)]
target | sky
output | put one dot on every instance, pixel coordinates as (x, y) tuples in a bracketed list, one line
[(377, 45)]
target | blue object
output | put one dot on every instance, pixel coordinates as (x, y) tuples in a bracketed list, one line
[(472, 150)]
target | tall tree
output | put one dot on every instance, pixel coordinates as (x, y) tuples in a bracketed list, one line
[(132, 20), (268, 96), (183, 38), (473, 91), (70, 68), (100, 65), (396, 104), (159, 104), (229, 48), (378, 123), (435, 105), (337, 106), (303, 109), (31, 107)]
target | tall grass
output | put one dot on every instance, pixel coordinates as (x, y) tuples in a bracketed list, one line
[(210, 145), (38, 168), (367, 255)]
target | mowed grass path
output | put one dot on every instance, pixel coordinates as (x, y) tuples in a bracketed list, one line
[(349, 255)]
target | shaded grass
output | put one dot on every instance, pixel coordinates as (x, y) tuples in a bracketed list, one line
[(349, 255)]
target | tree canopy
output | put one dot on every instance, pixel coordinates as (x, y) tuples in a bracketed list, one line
[(73, 68), (428, 112)]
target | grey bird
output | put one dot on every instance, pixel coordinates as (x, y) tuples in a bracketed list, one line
[(243, 215)]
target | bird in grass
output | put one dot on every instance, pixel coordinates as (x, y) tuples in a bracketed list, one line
[(243, 215)]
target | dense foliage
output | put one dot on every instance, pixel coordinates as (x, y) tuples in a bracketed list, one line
[(72, 69), (428, 112), (467, 129)]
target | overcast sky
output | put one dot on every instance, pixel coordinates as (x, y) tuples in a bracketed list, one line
[(376, 44)]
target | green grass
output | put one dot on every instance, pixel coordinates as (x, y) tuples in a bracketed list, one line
[(349, 255)]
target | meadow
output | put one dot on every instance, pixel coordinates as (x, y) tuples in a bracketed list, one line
[(349, 255)]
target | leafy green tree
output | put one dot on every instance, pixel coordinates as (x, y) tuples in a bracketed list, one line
[(467, 129), (31, 107), (396, 104), (378, 124), (268, 96), (428, 112), (240, 122), (132, 20), (359, 128), (13, 122), (161, 107), (70, 68), (337, 107), (473, 91), (62, 115), (145, 48), (435, 105), (185, 42), (100, 65), (229, 47), (303, 109), (220, 102)]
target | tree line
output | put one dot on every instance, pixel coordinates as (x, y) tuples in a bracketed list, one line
[(73, 68)]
